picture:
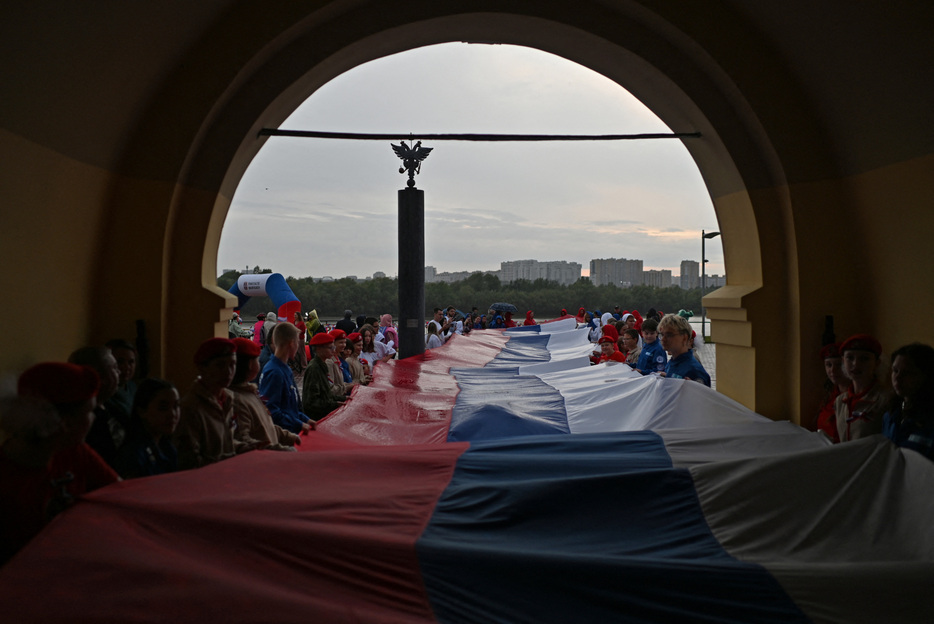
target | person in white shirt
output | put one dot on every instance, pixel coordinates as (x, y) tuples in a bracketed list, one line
[(441, 324), (455, 326)]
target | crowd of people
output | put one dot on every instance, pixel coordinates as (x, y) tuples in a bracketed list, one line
[(860, 403), (645, 343), (78, 425)]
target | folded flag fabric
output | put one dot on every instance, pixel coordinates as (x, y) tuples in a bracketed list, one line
[(478, 484)]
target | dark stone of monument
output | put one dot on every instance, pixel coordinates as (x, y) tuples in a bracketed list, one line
[(411, 272)]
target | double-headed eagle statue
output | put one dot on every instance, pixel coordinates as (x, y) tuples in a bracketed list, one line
[(412, 158)]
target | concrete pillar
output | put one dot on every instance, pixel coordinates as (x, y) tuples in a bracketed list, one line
[(411, 272)]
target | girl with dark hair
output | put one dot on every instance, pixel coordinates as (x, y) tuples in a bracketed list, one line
[(909, 422), (148, 449), (432, 339)]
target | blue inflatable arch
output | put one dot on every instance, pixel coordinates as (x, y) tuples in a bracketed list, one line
[(272, 285)]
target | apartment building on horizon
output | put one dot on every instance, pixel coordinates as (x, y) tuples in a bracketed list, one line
[(561, 271), (690, 274), (620, 272), (657, 278)]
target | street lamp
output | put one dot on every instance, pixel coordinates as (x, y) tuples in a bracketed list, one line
[(703, 256)]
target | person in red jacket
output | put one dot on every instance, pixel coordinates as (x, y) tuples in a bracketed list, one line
[(639, 321), (258, 328), (509, 321), (608, 347), (609, 351)]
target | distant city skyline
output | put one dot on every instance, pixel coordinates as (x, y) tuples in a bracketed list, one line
[(309, 207), (431, 271)]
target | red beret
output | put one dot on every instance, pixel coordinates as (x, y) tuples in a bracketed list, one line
[(321, 339), (337, 334), (862, 342), (830, 351), (354, 337), (214, 347), (608, 339), (247, 347), (58, 382)]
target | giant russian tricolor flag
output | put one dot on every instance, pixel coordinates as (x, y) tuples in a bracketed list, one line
[(501, 478)]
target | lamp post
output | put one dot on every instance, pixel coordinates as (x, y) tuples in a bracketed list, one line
[(703, 257)]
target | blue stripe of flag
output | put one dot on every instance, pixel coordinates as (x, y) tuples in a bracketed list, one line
[(584, 528), (518, 351), (498, 402)]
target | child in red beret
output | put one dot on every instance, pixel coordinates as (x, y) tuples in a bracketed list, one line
[(359, 369), (254, 422), (206, 430), (45, 463), (860, 409), (318, 399)]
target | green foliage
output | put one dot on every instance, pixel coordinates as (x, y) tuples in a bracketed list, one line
[(546, 299), (227, 280)]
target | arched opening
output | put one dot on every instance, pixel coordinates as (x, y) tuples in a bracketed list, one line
[(665, 70), (488, 202)]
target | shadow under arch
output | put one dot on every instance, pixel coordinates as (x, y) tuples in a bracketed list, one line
[(670, 73)]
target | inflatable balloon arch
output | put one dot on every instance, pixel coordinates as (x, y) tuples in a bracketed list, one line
[(271, 285)]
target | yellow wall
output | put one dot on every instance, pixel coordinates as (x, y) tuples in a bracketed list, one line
[(897, 214), (52, 223)]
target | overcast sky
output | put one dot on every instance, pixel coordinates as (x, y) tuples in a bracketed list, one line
[(317, 207)]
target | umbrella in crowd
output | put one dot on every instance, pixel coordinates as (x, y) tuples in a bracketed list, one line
[(504, 307)]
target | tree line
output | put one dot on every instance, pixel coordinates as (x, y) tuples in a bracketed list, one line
[(545, 298)]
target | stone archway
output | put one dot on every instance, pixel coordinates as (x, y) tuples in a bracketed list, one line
[(675, 78)]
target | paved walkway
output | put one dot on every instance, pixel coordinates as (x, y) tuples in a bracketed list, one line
[(707, 355)]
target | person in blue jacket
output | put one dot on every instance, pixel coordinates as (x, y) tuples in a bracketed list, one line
[(498, 323), (277, 383), (909, 422), (653, 358), (675, 332)]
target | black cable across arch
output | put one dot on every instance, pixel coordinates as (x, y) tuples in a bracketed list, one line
[(313, 134)]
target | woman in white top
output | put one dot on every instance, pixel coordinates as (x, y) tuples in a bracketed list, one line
[(374, 351), (433, 339)]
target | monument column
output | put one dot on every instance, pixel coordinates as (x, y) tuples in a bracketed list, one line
[(411, 253), (411, 272)]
